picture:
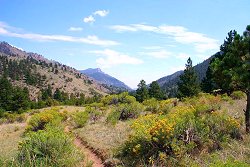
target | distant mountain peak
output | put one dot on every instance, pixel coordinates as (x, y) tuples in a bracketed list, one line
[(93, 70), (100, 76)]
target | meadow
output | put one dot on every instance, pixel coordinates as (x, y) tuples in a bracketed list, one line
[(205, 130)]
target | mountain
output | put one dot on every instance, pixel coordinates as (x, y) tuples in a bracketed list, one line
[(31, 70), (169, 83), (98, 75)]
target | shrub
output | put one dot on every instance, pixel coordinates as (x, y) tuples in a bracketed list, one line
[(39, 120), (80, 118), (129, 110), (225, 97), (115, 99), (13, 117), (204, 103), (113, 117), (237, 95), (151, 105), (2, 111), (49, 147), (182, 131)]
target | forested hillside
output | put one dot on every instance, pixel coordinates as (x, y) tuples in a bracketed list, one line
[(169, 83), (37, 73)]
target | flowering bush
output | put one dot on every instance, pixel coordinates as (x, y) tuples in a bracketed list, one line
[(182, 131), (39, 120)]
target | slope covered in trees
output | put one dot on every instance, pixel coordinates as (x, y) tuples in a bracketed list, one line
[(37, 73)]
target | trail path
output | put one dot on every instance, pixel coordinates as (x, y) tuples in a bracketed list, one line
[(88, 154)]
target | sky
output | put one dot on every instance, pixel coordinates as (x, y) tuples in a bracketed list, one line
[(128, 39)]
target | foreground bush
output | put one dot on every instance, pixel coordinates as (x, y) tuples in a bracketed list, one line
[(124, 112), (12, 117), (165, 139), (80, 118), (237, 95), (49, 147), (39, 120)]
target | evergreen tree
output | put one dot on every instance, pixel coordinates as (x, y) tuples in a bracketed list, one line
[(188, 85), (223, 62), (155, 91), (5, 93), (207, 84), (231, 69), (58, 95), (142, 91)]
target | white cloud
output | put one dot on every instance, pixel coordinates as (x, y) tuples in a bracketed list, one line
[(93, 40), (89, 19), (160, 54), (75, 29), (121, 28), (101, 13), (180, 34), (109, 58)]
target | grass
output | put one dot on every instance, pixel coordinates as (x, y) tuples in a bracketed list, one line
[(10, 135), (235, 150), (105, 138)]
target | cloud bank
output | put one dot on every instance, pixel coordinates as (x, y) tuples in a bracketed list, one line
[(109, 58), (180, 34), (6, 30)]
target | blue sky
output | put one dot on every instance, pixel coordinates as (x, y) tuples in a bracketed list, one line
[(130, 40)]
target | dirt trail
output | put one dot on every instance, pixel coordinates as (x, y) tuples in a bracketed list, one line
[(88, 154)]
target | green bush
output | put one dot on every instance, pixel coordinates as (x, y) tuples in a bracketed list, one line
[(115, 99), (237, 95), (13, 117), (225, 97), (204, 103), (151, 105), (113, 117), (168, 138), (129, 110), (49, 147), (80, 118), (39, 120)]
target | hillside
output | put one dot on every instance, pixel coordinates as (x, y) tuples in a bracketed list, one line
[(101, 77), (31, 70), (169, 83)]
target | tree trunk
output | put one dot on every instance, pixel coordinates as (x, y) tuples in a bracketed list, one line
[(247, 113)]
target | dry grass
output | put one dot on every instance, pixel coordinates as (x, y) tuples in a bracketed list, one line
[(10, 135), (105, 138)]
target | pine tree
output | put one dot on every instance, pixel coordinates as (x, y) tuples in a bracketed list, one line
[(188, 85), (58, 95), (155, 91), (142, 91), (231, 69), (207, 84)]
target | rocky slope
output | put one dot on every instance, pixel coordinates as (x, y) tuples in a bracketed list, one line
[(100, 76), (35, 72)]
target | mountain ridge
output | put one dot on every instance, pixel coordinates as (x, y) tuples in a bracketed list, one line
[(169, 83), (103, 78), (34, 71)]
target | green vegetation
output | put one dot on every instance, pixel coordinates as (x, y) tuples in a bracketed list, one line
[(230, 68), (13, 98), (48, 147), (188, 85), (80, 118), (198, 129)]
